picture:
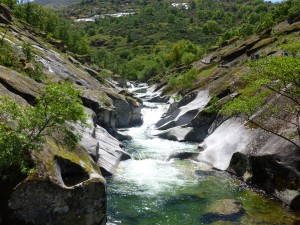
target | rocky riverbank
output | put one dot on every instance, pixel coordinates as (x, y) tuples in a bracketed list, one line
[(68, 183), (261, 158)]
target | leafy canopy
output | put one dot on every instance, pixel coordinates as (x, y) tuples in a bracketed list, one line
[(24, 128), (279, 76)]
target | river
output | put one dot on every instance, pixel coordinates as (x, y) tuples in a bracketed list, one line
[(148, 189)]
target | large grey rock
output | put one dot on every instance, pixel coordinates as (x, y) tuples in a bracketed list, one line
[(271, 162), (44, 203), (175, 133), (102, 146), (19, 84), (123, 113), (183, 155), (113, 110), (184, 114)]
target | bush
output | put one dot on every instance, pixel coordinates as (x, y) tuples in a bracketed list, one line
[(103, 75), (184, 80), (24, 129), (37, 72), (151, 69), (8, 56), (27, 50), (188, 58)]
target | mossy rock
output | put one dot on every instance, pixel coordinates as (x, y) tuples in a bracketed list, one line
[(225, 207), (223, 211)]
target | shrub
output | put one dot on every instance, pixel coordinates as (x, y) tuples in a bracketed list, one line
[(184, 80), (24, 128), (8, 56), (27, 50)]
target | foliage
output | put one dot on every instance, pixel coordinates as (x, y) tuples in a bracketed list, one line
[(293, 48), (184, 80), (36, 72), (49, 21), (278, 76), (10, 3), (213, 105), (156, 30), (182, 52), (211, 27), (8, 56), (24, 128), (27, 50), (103, 75)]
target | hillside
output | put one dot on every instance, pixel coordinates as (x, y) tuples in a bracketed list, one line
[(53, 99), (56, 4), (230, 78), (154, 27)]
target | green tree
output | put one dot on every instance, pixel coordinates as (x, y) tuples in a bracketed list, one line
[(211, 27), (27, 50), (24, 128), (269, 80)]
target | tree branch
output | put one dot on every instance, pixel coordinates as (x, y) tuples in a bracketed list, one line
[(272, 132)]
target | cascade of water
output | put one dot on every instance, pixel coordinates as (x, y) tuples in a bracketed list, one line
[(148, 190), (227, 139)]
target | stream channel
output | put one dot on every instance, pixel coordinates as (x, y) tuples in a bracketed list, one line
[(148, 189)]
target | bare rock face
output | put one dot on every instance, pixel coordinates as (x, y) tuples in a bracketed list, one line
[(185, 113), (104, 149), (67, 188), (19, 84), (113, 110), (42, 202)]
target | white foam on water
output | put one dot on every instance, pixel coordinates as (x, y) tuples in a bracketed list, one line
[(151, 176), (230, 137), (148, 172)]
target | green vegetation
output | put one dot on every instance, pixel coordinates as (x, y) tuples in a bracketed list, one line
[(157, 31), (158, 35), (23, 62), (183, 81), (275, 78), (55, 25), (8, 55), (25, 128)]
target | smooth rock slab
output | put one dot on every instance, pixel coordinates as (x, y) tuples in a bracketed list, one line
[(184, 114), (103, 147)]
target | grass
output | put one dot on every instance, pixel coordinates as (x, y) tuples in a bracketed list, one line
[(206, 72)]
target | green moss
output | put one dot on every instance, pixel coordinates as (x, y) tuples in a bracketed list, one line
[(206, 72), (76, 155)]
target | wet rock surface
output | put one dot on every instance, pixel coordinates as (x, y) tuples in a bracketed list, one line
[(260, 158), (224, 210), (104, 149)]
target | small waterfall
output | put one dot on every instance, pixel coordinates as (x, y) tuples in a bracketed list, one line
[(230, 137)]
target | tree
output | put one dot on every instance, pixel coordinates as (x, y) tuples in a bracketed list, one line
[(271, 79), (24, 128), (211, 27)]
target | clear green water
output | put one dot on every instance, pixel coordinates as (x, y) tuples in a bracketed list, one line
[(149, 190)]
